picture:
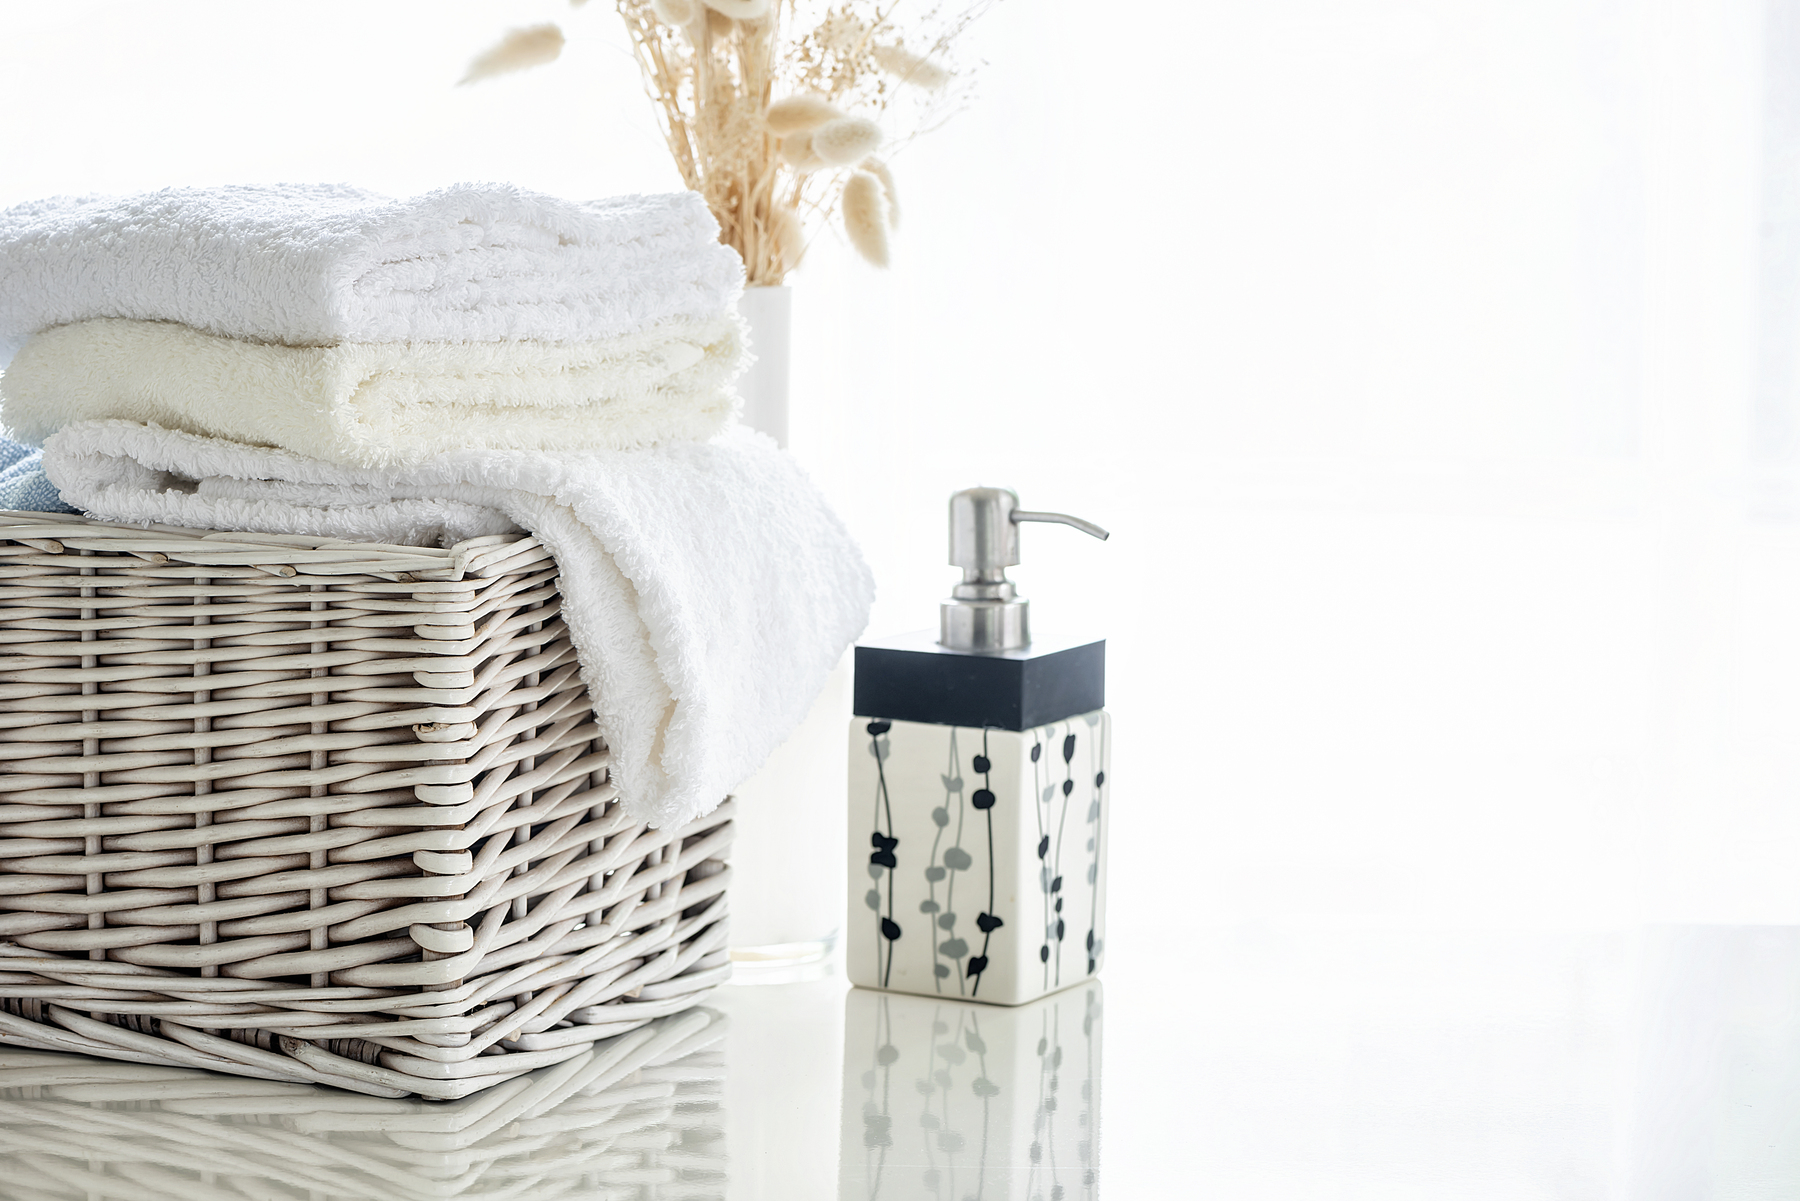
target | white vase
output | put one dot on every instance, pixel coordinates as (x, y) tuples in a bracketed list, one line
[(764, 386), (787, 891)]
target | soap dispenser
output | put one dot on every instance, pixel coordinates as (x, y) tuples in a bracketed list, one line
[(978, 787)]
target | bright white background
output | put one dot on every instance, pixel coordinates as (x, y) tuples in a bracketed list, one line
[(1433, 363)]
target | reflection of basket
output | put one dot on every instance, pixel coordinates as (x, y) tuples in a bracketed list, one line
[(641, 1114), (321, 811)]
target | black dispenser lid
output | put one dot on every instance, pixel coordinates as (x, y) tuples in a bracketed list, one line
[(914, 678)]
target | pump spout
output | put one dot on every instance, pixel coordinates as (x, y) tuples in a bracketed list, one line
[(1086, 527)]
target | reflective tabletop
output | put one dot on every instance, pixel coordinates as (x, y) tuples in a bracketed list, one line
[(1277, 1062)]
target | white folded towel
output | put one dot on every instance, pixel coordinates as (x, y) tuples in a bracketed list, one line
[(708, 587), (381, 403), (315, 265)]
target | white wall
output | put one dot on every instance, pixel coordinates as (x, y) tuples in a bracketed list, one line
[(1410, 349)]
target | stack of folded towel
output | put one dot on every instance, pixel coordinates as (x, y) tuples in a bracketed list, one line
[(321, 360), (358, 329)]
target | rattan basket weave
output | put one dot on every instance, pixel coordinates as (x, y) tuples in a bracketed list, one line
[(309, 810)]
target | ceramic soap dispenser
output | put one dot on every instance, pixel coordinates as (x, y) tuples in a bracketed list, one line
[(978, 795)]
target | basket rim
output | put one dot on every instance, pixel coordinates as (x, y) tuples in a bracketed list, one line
[(275, 554)]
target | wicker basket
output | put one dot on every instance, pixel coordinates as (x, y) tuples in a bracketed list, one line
[(321, 811)]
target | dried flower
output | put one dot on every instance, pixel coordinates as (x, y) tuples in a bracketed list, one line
[(769, 171), (797, 152), (790, 238), (846, 140), (911, 68), (675, 12), (864, 221), (879, 170), (842, 32), (809, 110), (738, 10), (519, 49)]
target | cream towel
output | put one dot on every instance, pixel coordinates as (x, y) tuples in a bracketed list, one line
[(319, 264), (708, 587), (381, 403)]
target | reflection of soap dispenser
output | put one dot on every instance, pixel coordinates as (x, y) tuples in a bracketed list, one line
[(1010, 1096), (978, 766)]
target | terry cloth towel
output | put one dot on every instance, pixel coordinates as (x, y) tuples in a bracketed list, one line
[(23, 484), (319, 264), (708, 587), (381, 403)]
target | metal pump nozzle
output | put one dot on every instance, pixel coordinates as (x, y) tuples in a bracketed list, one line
[(985, 612)]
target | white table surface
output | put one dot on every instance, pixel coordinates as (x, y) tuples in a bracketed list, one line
[(1360, 1063), (1290, 1063)]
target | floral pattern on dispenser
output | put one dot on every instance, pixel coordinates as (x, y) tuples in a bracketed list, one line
[(968, 819)]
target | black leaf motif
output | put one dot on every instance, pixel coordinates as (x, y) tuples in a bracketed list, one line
[(886, 842), (1044, 953), (987, 923), (878, 728), (1090, 941), (1043, 846), (1068, 787), (983, 799), (890, 929), (1059, 929), (1056, 884), (977, 965), (1099, 778), (1068, 748), (1037, 751), (982, 764), (883, 858)]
